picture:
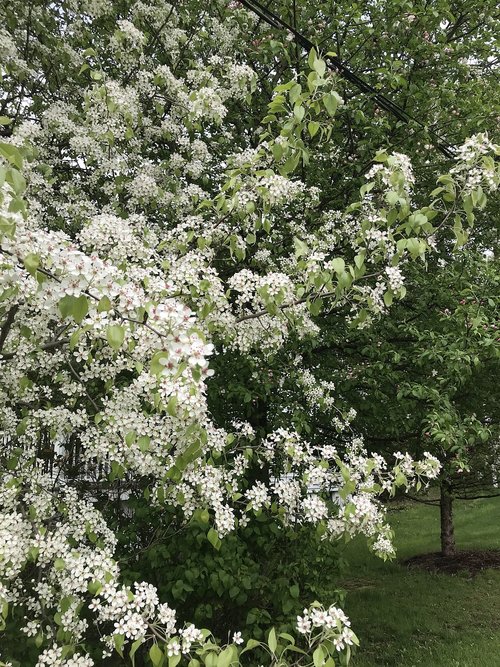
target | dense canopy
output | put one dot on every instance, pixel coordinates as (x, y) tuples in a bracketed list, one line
[(190, 209)]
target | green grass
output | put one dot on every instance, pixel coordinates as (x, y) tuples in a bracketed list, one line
[(406, 618)]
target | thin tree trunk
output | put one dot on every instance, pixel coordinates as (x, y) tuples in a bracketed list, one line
[(448, 547)]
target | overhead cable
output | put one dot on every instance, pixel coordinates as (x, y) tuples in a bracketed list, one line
[(345, 72)]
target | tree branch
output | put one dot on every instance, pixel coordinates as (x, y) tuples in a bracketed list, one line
[(9, 321)]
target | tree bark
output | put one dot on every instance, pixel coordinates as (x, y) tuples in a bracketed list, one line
[(448, 547)]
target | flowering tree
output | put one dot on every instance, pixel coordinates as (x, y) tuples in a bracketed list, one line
[(157, 224)]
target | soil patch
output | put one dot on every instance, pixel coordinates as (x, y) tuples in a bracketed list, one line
[(471, 561)]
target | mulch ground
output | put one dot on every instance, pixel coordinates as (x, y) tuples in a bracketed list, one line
[(471, 561)]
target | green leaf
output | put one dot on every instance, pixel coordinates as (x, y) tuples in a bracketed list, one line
[(272, 641), (211, 659), (312, 81), (4, 120), (80, 308), (338, 265), (11, 154), (133, 650), (117, 472), (299, 112), (17, 181), (130, 438), (301, 248), (115, 335), (94, 587), (214, 539), (359, 260), (227, 656), (319, 656), (59, 564), (319, 67), (311, 58), (77, 307), (22, 426), (313, 127), (31, 263), (251, 644), (156, 654), (392, 198), (294, 93), (331, 103), (291, 164), (119, 641), (315, 307), (381, 156), (413, 246), (174, 660), (65, 305), (7, 227), (277, 151), (367, 187), (144, 443), (158, 362), (172, 406), (33, 553), (348, 488), (104, 305), (192, 452)]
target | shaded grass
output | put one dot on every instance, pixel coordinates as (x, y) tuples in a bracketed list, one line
[(406, 618)]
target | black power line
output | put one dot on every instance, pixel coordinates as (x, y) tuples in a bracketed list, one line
[(336, 64)]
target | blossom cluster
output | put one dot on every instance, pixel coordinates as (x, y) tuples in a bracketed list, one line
[(330, 624), (475, 165)]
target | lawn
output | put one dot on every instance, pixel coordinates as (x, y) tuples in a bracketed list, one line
[(406, 617)]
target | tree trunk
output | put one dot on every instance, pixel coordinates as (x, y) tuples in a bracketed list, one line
[(448, 547)]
